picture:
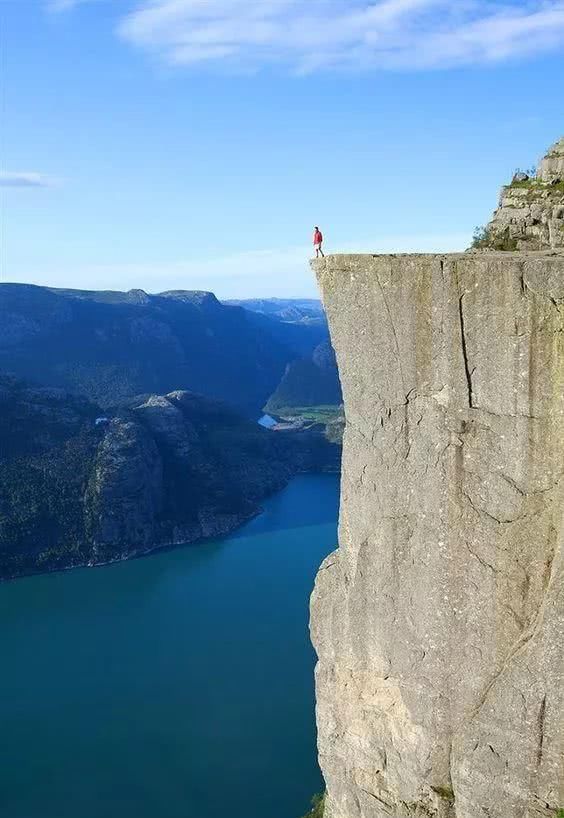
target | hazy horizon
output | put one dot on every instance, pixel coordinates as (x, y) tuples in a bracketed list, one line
[(304, 299)]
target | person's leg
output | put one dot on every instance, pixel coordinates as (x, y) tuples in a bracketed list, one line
[(322, 253), (317, 252)]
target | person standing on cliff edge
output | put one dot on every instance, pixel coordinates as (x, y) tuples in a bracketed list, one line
[(317, 242)]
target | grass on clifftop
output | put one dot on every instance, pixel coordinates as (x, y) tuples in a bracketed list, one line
[(538, 184)]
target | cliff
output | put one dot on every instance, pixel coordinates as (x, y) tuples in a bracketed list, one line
[(159, 470), (439, 620), (530, 215)]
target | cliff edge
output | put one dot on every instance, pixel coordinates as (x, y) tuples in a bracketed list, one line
[(439, 620)]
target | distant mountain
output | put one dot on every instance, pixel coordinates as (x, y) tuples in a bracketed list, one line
[(79, 486), (111, 345), (286, 309), (307, 382)]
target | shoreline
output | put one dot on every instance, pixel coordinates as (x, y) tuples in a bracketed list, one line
[(139, 553)]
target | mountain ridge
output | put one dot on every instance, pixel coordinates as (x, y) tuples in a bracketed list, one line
[(109, 345)]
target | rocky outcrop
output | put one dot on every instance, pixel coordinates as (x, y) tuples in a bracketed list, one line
[(439, 620), (530, 215), (176, 468), (124, 494), (551, 168)]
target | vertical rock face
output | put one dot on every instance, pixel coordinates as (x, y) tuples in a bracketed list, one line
[(439, 620)]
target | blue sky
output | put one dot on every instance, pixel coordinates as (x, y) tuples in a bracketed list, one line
[(194, 143)]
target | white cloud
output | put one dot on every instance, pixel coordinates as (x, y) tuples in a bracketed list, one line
[(25, 180), (353, 34)]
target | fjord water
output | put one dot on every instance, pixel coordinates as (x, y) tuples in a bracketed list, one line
[(175, 686)]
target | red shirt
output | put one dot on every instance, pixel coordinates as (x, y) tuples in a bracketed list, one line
[(317, 237)]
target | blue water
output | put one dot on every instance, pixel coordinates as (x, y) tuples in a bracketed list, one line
[(174, 686)]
